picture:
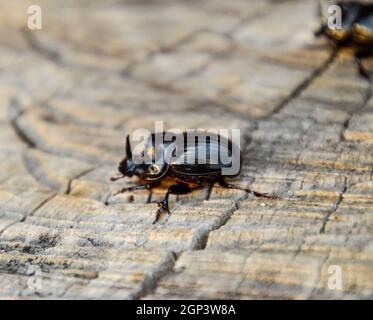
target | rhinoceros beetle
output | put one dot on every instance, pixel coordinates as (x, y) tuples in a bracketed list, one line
[(177, 177), (356, 30)]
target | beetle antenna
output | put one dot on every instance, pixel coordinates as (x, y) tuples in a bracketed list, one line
[(128, 147), (226, 185), (117, 177)]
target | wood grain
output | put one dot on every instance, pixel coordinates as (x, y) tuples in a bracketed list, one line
[(69, 94)]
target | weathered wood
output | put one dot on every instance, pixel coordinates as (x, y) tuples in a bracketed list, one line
[(98, 70)]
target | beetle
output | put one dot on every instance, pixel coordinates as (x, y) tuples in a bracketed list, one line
[(178, 177), (356, 30)]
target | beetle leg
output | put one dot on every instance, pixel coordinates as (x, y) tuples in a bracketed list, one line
[(134, 188), (209, 190), (117, 177), (319, 32), (174, 189), (226, 185), (137, 187), (163, 206)]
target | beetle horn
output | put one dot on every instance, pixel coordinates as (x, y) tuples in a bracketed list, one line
[(322, 28), (128, 147), (320, 11)]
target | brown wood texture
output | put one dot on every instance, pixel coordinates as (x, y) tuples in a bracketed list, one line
[(100, 69)]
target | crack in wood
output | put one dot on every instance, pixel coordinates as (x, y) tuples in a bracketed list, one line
[(80, 175), (40, 49), (15, 112), (199, 243), (29, 214), (335, 206), (224, 218), (305, 84), (360, 108), (21, 135), (151, 280)]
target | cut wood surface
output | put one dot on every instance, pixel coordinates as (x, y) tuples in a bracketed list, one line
[(98, 70)]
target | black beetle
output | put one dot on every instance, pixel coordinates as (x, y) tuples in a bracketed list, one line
[(356, 30), (178, 177)]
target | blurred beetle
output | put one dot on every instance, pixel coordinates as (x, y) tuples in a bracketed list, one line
[(356, 30)]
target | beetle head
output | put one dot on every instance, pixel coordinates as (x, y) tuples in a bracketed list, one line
[(128, 167)]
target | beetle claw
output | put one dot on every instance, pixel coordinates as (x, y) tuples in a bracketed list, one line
[(263, 195), (120, 191), (162, 208), (117, 177)]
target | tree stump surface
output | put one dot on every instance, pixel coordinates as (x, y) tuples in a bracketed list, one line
[(97, 70)]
